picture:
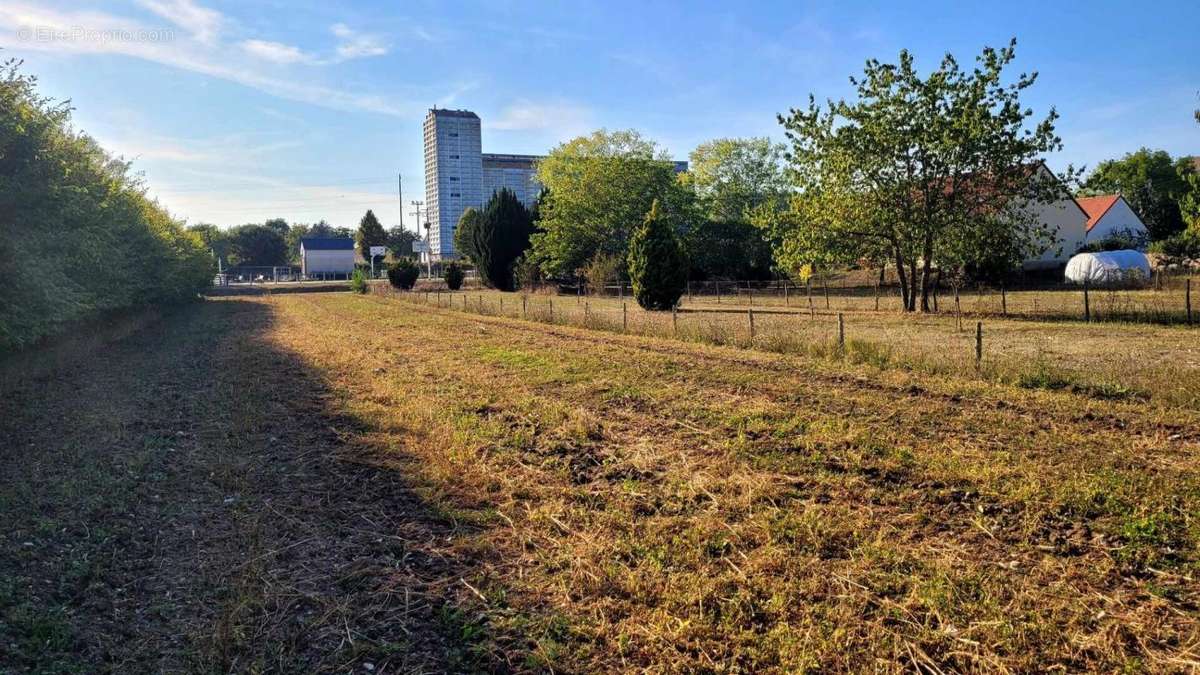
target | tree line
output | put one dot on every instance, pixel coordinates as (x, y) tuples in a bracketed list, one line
[(275, 243), (78, 236), (937, 176)]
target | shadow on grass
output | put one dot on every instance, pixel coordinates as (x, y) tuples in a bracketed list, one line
[(188, 498)]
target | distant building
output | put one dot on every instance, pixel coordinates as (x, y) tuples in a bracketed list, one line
[(1109, 215), (332, 256), (459, 175)]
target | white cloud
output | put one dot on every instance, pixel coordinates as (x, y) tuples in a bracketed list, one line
[(566, 119), (33, 28), (275, 52), (201, 22), (356, 45)]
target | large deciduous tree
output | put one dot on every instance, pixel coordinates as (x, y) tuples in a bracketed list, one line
[(400, 241), (600, 186), (657, 266), (370, 233), (1151, 182), (732, 177), (257, 245), (500, 237), (938, 170)]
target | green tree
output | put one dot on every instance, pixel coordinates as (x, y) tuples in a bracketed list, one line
[(944, 168), (733, 176), (370, 233), (657, 267), (78, 237), (466, 232), (501, 236), (257, 245), (294, 234), (214, 239), (1151, 182), (599, 186), (400, 241), (453, 276), (279, 225), (403, 274)]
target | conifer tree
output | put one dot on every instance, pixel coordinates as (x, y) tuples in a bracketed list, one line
[(657, 267)]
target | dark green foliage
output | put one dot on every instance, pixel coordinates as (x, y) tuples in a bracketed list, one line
[(657, 267), (403, 274), (1116, 241), (358, 281), (501, 236), (727, 249), (258, 246), (1181, 248), (1151, 182), (78, 237), (466, 232), (453, 275), (400, 241), (370, 233)]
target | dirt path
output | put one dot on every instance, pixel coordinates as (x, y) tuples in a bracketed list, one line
[(177, 501)]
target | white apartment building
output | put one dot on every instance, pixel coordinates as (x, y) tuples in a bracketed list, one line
[(459, 175)]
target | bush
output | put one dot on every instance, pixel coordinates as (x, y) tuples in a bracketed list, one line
[(527, 273), (657, 266), (403, 274), (453, 276), (78, 237), (358, 281), (1181, 248)]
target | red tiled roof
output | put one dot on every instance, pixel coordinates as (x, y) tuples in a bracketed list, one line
[(1096, 207)]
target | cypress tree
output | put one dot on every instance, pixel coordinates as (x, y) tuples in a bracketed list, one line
[(370, 233), (500, 237), (657, 266)]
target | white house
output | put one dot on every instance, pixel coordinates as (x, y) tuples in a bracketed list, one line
[(1109, 215), (326, 256), (1066, 220)]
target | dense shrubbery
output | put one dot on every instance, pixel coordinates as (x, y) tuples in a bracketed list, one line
[(453, 276), (1181, 248), (78, 237), (358, 281), (657, 266), (403, 274)]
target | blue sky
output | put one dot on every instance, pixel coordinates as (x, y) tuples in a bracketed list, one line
[(242, 111)]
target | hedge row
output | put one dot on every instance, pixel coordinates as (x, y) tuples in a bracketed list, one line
[(78, 236)]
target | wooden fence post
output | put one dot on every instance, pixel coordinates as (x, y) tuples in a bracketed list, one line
[(1087, 304), (552, 309), (624, 318), (978, 344), (675, 320), (587, 313), (1187, 297), (841, 332), (957, 308), (1003, 300), (825, 285), (717, 283), (750, 293), (785, 294), (876, 296), (750, 314), (689, 290), (524, 307)]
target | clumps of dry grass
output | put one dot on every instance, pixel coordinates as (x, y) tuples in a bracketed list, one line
[(638, 504)]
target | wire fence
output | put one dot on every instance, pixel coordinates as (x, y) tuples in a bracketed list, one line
[(1111, 358)]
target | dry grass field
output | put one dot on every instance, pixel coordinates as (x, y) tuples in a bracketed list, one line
[(1111, 359), (318, 482)]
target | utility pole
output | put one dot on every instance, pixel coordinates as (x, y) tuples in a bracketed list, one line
[(400, 193), (417, 204)]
